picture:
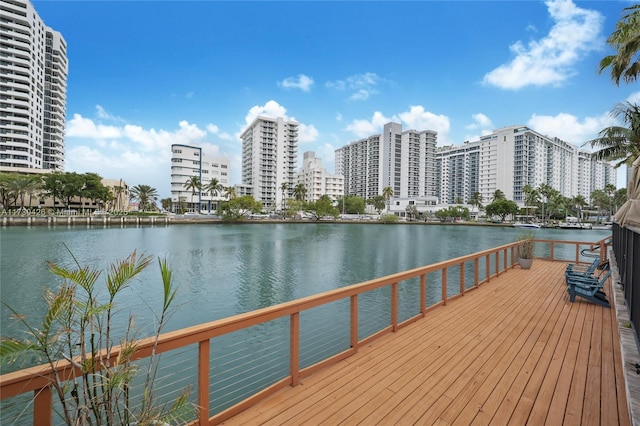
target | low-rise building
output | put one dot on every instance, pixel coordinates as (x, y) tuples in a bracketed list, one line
[(188, 162), (317, 180)]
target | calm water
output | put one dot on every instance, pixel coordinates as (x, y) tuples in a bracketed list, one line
[(222, 270)]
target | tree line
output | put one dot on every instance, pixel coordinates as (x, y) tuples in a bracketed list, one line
[(19, 190)]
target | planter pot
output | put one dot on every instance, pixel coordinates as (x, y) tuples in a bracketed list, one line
[(525, 263)]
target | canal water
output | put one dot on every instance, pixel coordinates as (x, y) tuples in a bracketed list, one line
[(222, 270)]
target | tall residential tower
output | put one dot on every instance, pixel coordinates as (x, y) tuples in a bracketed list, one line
[(33, 86), (269, 157), (402, 160)]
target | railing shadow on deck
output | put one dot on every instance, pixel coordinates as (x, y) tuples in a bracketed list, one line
[(227, 384)]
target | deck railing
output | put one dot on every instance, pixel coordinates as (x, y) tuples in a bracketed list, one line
[(626, 247), (433, 285)]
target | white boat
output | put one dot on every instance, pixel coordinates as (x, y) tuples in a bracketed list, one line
[(526, 225)]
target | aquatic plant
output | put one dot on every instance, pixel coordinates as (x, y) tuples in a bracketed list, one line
[(92, 376)]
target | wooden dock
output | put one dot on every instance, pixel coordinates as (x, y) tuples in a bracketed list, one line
[(515, 351)]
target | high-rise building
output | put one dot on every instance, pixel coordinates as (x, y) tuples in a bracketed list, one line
[(457, 172), (317, 180), (188, 162), (269, 159), (33, 86), (513, 157), (402, 160)]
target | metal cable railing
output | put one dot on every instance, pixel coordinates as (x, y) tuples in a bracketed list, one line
[(232, 362)]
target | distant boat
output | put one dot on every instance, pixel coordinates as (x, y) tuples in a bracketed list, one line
[(570, 225), (602, 227), (526, 225)]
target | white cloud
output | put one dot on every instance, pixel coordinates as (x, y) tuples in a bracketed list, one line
[(634, 98), (301, 82), (418, 118), (362, 86), (271, 109), (550, 60), (307, 133), (569, 128), (364, 128), (480, 121), (130, 152), (103, 114), (82, 127), (212, 128)]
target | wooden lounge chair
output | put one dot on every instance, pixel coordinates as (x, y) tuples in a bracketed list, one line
[(581, 270), (589, 288)]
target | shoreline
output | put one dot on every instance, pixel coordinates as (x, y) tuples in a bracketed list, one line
[(108, 221)]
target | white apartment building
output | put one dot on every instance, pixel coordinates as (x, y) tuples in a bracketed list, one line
[(317, 180), (511, 158), (33, 86), (269, 159), (457, 174), (187, 162), (402, 160)]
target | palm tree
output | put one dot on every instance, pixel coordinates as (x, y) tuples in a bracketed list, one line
[(145, 194), (300, 192), (620, 142), (194, 185), (626, 41), (230, 192), (578, 203), (22, 185), (214, 188), (387, 193), (284, 187), (498, 195), (531, 197), (476, 201)]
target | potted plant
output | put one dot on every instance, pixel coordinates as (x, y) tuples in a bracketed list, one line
[(525, 250)]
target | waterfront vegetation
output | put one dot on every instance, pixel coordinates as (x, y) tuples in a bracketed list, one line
[(94, 387)]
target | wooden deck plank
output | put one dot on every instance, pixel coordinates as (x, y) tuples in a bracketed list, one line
[(518, 376), (467, 359), (551, 380), (498, 364), (513, 351)]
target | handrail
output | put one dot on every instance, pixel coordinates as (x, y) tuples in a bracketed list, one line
[(38, 379)]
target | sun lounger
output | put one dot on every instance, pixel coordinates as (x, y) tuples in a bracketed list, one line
[(589, 288)]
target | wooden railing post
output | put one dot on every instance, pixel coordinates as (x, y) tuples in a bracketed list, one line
[(294, 355), (354, 321), (394, 306), (423, 294), (497, 254), (462, 278), (552, 251), (488, 267), (42, 407), (444, 286), (204, 350)]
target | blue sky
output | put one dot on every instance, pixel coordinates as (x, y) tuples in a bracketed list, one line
[(146, 74)]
